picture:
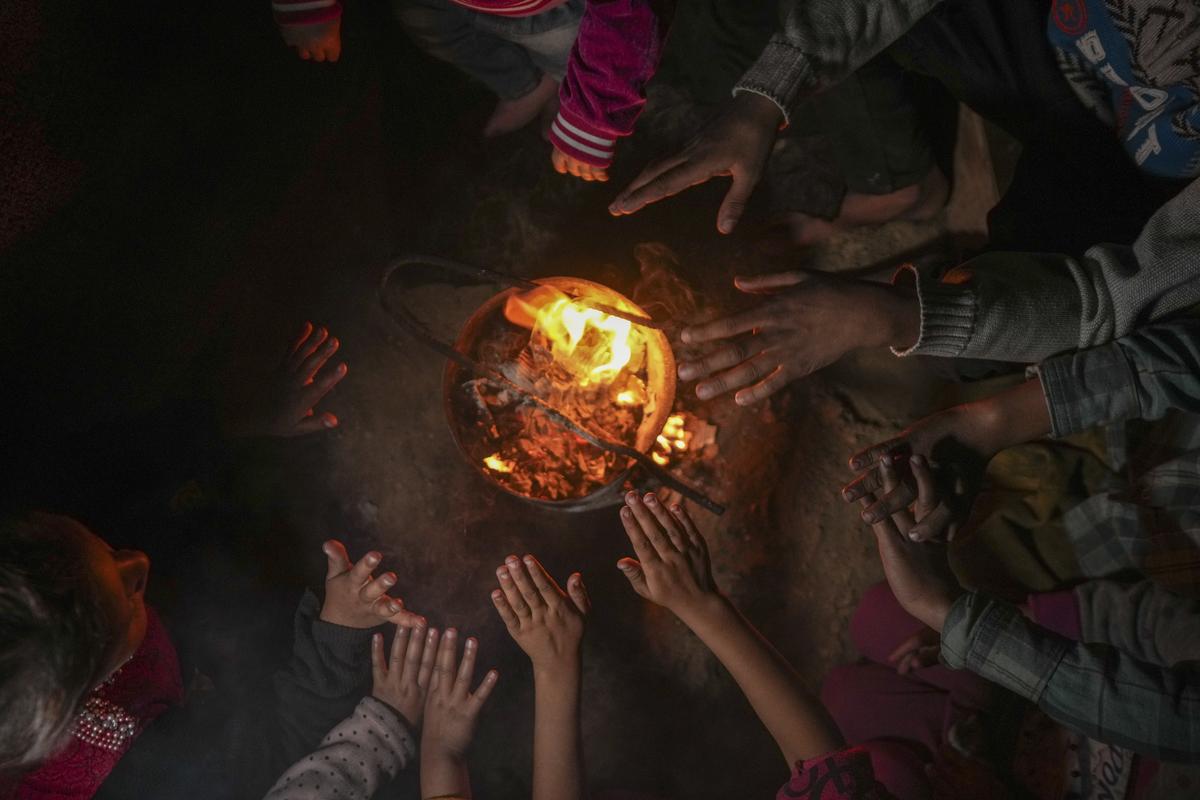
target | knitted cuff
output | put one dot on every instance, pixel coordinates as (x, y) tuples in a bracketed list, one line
[(305, 12), (948, 315), (782, 74), (584, 142)]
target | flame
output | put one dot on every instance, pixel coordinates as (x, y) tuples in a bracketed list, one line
[(675, 437), (594, 345), (497, 464), (626, 398)]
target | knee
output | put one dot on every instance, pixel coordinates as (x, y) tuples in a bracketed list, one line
[(876, 607)]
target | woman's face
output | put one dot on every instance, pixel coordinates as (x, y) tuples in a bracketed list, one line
[(120, 577)]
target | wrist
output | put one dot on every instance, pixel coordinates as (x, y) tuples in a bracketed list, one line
[(761, 110), (559, 670), (705, 611), (896, 316)]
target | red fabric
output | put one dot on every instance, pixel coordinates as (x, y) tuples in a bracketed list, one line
[(616, 53), (510, 8), (145, 687), (842, 775), (305, 12)]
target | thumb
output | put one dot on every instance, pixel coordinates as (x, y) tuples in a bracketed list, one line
[(772, 281), (338, 559), (632, 570), (734, 204), (578, 593)]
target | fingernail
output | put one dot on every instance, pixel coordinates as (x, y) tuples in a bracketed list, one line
[(373, 558), (704, 392), (497, 594), (512, 560), (651, 500), (686, 372), (422, 622), (396, 608), (631, 497), (451, 633), (869, 516), (377, 638), (677, 509), (388, 579), (685, 336), (334, 343), (529, 560), (330, 421), (626, 513), (502, 574), (342, 367), (623, 567), (856, 463), (741, 399), (916, 461)]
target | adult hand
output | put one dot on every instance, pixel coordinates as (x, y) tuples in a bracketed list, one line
[(672, 567), (546, 622), (402, 680), (807, 323), (354, 599), (736, 144), (451, 709), (285, 406), (320, 42), (918, 572), (565, 164)]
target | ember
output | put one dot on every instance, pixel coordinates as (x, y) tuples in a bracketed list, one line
[(610, 377)]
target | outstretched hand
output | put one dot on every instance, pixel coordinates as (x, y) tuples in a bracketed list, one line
[(546, 622), (672, 567), (451, 708), (402, 680), (319, 42), (355, 599), (918, 573), (806, 323), (736, 145)]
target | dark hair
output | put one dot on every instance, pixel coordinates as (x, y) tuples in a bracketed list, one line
[(55, 629)]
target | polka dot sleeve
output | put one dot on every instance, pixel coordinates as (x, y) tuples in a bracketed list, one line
[(359, 755)]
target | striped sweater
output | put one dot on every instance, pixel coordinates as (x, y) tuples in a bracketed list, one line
[(616, 53)]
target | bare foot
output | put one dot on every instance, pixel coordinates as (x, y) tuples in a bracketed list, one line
[(921, 201), (512, 115)]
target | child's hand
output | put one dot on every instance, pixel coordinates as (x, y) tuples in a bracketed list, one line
[(564, 164), (451, 710), (672, 567), (538, 614), (918, 573), (285, 404), (403, 680), (319, 42), (919, 650), (356, 600)]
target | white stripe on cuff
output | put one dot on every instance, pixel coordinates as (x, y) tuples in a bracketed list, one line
[(587, 137), (578, 145), (310, 5)]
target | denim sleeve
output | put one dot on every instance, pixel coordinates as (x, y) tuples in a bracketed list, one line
[(1139, 376), (1141, 619), (1093, 689)]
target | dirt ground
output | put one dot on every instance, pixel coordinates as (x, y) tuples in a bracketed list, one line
[(199, 193)]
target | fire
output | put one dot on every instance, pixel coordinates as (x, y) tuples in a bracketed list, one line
[(595, 346), (675, 438), (497, 464)]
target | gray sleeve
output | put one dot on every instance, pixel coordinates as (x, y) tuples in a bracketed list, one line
[(1094, 689), (1141, 619), (354, 760), (1140, 376), (1027, 307), (823, 41)]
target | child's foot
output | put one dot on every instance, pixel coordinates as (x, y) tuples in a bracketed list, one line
[(921, 201), (512, 115)]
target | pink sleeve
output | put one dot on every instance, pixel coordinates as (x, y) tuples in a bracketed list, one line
[(616, 54), (305, 12), (844, 774)]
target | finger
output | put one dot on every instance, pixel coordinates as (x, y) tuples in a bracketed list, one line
[(746, 373), (723, 357), (600, 174), (428, 655), (360, 573), (868, 458), (771, 282), (896, 498), (373, 590), (768, 386), (466, 668), (378, 666), (305, 54), (314, 392), (685, 519), (520, 577), (542, 581), (335, 51), (319, 54), (516, 601), (414, 651), (684, 176), (484, 691), (905, 647), (668, 522), (308, 347), (400, 642), (559, 161), (726, 327), (579, 593), (734, 204), (573, 167), (507, 615), (443, 668), (633, 571), (654, 532), (386, 607), (935, 526), (311, 365), (337, 559), (314, 424), (637, 537), (405, 618), (305, 331), (927, 498), (867, 483), (625, 202)]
